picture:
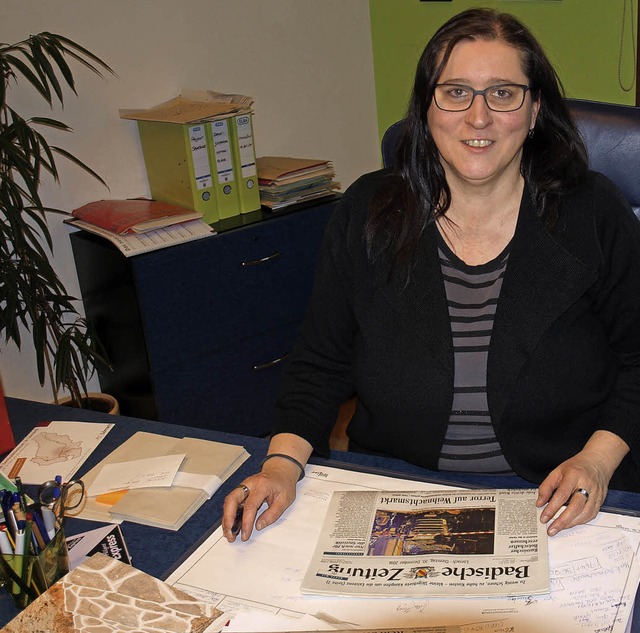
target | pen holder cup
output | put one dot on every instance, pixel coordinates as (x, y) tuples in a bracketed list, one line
[(26, 577)]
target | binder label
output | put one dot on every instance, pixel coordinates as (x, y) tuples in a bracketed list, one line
[(222, 150), (200, 157), (245, 146)]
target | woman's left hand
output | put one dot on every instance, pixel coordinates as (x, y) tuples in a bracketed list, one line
[(581, 482)]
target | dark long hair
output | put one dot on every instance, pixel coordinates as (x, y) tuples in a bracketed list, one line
[(553, 160)]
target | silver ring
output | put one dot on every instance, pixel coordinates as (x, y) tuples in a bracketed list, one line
[(247, 491), (583, 492)]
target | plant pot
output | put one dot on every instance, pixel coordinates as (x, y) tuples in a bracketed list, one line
[(102, 402)]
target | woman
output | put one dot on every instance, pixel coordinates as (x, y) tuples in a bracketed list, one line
[(481, 299)]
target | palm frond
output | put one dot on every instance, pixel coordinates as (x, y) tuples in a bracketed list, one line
[(32, 296), (71, 158)]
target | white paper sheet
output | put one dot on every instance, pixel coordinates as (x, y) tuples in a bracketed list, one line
[(594, 568), (59, 448), (151, 472)]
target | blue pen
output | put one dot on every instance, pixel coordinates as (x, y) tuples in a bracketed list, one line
[(16, 501), (5, 502), (38, 520), (9, 516)]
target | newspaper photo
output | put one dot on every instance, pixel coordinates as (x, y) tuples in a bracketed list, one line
[(459, 543)]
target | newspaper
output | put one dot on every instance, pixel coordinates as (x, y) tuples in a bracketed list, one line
[(458, 543)]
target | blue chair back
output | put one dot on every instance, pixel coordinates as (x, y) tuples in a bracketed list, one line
[(610, 131)]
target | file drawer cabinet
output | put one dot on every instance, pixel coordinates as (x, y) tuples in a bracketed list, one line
[(196, 332)]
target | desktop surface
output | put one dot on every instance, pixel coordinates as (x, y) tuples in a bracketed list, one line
[(157, 551)]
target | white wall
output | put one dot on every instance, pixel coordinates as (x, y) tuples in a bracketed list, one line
[(307, 63)]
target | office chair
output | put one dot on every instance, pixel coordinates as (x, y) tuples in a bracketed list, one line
[(610, 131)]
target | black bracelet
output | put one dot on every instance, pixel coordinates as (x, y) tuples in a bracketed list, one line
[(291, 459)]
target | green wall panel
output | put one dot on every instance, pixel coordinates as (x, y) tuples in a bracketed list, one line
[(588, 41)]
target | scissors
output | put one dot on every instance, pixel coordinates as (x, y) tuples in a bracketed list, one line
[(61, 497)]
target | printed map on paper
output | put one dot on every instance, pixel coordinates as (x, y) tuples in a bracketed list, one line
[(59, 448)]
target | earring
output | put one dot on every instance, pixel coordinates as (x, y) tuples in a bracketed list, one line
[(530, 135)]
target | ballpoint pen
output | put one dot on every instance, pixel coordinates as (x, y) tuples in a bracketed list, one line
[(21, 494), (18, 559), (5, 502), (11, 523), (39, 524), (237, 522), (49, 518), (36, 535)]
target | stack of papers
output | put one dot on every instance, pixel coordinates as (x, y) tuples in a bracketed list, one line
[(133, 216), (594, 572), (130, 244), (157, 480), (139, 226), (285, 181), (192, 106)]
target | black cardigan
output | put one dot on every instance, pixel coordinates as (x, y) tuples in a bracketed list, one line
[(564, 358)]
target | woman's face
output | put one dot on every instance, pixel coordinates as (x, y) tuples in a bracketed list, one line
[(479, 146)]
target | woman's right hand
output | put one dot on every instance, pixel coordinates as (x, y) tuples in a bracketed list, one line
[(275, 486)]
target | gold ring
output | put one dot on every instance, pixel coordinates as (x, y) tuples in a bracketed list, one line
[(245, 490), (583, 492)]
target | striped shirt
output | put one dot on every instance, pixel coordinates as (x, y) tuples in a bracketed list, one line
[(470, 443)]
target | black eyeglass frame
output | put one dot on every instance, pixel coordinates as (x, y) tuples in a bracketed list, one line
[(475, 93)]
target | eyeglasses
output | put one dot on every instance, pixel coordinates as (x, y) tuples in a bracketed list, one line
[(501, 98)]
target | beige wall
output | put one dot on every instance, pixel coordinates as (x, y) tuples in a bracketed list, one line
[(307, 63)]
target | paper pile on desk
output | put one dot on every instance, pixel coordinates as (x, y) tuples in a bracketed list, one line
[(595, 569), (105, 595), (206, 466), (285, 181)]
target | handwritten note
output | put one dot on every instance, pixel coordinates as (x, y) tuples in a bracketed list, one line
[(591, 576), (142, 473)]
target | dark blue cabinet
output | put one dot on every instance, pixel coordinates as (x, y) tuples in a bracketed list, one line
[(197, 332)]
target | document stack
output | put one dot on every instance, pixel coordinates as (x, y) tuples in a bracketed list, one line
[(157, 480), (286, 181), (139, 226), (199, 152)]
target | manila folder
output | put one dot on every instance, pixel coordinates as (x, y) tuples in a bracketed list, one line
[(207, 465)]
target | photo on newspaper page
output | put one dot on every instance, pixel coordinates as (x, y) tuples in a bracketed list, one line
[(404, 544)]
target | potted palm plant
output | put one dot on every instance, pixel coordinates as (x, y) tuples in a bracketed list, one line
[(33, 299)]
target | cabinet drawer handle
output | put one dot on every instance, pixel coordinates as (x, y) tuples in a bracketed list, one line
[(271, 363), (262, 260)]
